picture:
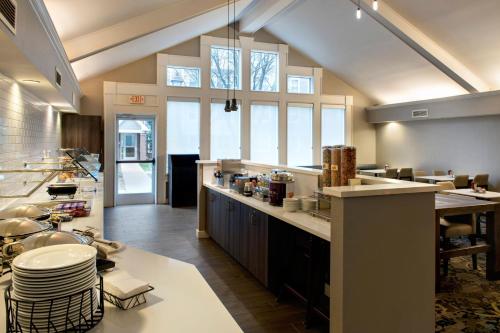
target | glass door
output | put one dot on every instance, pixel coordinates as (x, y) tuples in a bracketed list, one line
[(135, 160)]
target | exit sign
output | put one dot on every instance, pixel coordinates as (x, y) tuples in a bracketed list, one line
[(136, 99)]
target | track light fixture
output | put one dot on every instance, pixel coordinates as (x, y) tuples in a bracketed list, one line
[(375, 5), (358, 13)]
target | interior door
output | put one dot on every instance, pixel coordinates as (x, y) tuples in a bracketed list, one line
[(135, 160)]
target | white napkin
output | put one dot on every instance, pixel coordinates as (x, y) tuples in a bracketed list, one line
[(123, 285)]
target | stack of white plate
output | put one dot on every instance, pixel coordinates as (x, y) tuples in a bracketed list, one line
[(308, 204), (291, 204), (54, 272)]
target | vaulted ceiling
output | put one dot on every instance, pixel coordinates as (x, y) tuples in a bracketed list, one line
[(408, 50)]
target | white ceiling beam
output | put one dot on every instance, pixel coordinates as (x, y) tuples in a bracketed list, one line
[(425, 46), (138, 48), (262, 13), (138, 26)]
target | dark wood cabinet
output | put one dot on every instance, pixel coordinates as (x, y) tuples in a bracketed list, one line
[(257, 245)]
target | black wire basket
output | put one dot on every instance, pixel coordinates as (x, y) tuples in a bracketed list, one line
[(76, 318), (129, 302)]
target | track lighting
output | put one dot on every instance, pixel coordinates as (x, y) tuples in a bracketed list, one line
[(358, 13), (375, 5)]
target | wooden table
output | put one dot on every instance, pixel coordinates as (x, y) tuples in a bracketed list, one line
[(435, 179), (488, 195), (373, 172), (452, 205)]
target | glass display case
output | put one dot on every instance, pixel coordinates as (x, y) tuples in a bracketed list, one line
[(22, 179)]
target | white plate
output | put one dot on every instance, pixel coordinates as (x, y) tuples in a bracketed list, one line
[(33, 296), (52, 272), (54, 257)]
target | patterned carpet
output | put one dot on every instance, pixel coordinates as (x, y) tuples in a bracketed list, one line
[(468, 302)]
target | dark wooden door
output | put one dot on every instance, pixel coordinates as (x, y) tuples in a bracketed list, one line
[(212, 202), (244, 226)]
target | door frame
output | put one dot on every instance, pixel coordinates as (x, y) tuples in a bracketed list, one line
[(135, 198)]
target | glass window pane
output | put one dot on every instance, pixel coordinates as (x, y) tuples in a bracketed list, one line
[(264, 133), (300, 84), (225, 68), (300, 135), (183, 77), (264, 71), (332, 126), (183, 127), (224, 133)]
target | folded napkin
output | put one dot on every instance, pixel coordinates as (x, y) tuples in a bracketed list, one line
[(123, 285), (106, 248)]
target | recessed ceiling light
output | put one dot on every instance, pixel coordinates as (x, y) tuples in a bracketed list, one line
[(31, 81)]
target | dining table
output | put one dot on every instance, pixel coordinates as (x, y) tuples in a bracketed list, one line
[(487, 195), (453, 205), (436, 179)]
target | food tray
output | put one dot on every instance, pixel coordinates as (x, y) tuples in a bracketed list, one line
[(127, 303)]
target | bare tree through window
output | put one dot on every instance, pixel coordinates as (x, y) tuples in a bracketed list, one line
[(264, 71)]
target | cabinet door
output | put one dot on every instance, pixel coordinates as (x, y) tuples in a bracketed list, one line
[(211, 213), (244, 228), (233, 227), (222, 225), (258, 245)]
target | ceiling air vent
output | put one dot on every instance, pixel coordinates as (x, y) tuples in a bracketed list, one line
[(58, 78), (421, 113), (8, 10)]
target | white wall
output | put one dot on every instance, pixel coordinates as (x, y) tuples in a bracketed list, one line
[(27, 127), (465, 145)]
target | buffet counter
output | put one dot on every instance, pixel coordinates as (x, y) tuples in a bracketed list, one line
[(182, 300)]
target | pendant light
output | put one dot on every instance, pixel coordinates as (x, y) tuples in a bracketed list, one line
[(227, 107), (375, 5), (234, 104)]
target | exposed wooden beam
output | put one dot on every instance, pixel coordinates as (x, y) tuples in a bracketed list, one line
[(261, 13), (425, 46)]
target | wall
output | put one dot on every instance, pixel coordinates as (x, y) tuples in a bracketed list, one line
[(26, 129), (465, 145), (144, 71)]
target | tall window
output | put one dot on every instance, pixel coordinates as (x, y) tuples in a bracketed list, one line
[(183, 76), (264, 133), (332, 125), (300, 84), (300, 134), (224, 133), (225, 68), (264, 71), (183, 127)]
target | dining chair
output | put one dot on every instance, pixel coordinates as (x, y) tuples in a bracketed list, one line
[(391, 173), (461, 181), (438, 173), (481, 180), (406, 174), (420, 173), (455, 227)]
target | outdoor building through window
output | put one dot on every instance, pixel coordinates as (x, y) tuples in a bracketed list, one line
[(225, 68), (300, 84), (183, 77), (264, 71)]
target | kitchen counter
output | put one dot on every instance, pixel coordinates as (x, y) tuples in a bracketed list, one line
[(182, 300), (301, 220)]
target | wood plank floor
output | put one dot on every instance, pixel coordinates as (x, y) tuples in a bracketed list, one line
[(171, 232)]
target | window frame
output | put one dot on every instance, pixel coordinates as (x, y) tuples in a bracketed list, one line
[(311, 79), (200, 75), (277, 71), (240, 71), (265, 103), (311, 107)]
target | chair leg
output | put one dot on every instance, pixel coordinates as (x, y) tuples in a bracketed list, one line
[(478, 225), (446, 246), (473, 242)]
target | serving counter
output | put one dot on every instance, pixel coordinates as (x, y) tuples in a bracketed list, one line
[(182, 300)]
